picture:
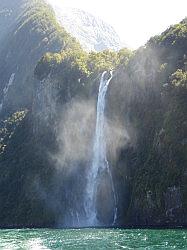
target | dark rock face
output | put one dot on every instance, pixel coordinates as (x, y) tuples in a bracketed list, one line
[(172, 213), (173, 204)]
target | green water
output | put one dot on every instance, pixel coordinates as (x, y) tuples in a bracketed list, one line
[(37, 239)]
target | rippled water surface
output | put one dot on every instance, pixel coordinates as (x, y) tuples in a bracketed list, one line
[(92, 239)]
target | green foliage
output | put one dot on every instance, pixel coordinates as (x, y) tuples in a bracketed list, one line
[(41, 18), (8, 128), (76, 60), (46, 63), (124, 55), (179, 79), (105, 60), (85, 64), (174, 34)]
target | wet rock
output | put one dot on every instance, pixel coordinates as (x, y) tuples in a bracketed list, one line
[(173, 203)]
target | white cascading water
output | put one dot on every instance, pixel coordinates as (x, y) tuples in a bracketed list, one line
[(6, 89), (99, 161)]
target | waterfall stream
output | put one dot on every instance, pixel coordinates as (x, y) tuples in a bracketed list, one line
[(6, 89), (99, 165)]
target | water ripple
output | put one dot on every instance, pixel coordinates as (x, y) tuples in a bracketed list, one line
[(46, 239)]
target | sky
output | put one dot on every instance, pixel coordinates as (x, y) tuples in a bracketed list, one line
[(134, 20)]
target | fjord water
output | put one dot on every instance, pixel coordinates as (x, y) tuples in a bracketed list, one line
[(99, 177), (45, 239)]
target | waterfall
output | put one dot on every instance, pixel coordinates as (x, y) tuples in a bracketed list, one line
[(99, 164), (6, 89)]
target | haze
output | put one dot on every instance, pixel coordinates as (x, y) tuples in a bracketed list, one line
[(135, 21)]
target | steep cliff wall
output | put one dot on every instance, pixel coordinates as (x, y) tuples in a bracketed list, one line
[(152, 100), (30, 30)]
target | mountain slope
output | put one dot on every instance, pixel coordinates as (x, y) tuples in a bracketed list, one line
[(30, 30), (90, 31)]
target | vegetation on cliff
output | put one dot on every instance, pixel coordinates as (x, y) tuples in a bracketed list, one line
[(84, 64), (158, 115)]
